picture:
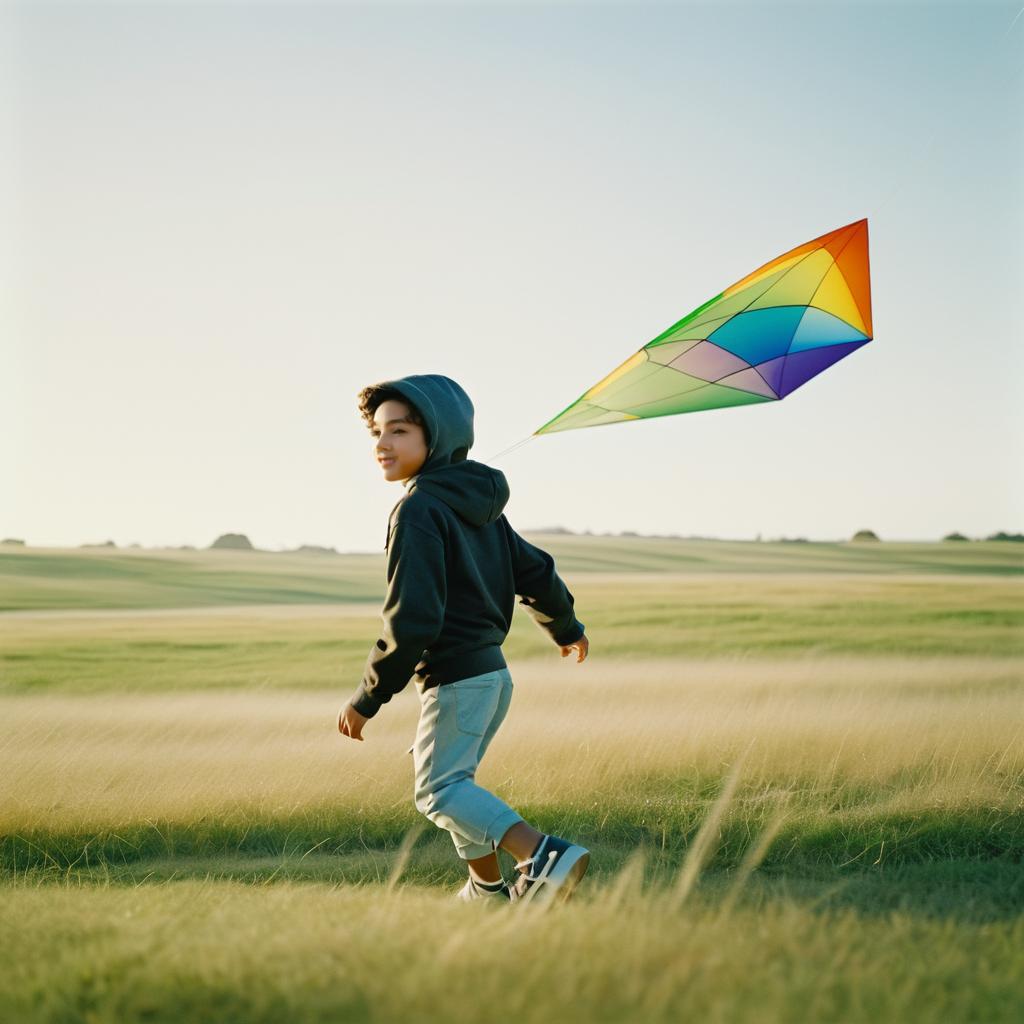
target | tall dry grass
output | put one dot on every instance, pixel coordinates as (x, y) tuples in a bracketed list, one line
[(841, 738)]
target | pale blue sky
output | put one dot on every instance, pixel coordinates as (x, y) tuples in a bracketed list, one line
[(229, 219)]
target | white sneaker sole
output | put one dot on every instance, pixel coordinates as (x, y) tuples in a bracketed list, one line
[(557, 885)]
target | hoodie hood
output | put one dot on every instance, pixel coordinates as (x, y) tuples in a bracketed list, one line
[(475, 491)]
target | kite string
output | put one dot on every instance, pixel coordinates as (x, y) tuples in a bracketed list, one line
[(511, 448)]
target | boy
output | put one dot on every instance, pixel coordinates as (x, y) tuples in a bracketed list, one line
[(454, 568)]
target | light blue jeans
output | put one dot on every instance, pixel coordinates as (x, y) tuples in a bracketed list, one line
[(457, 723)]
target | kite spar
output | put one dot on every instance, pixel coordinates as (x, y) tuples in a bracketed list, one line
[(758, 341)]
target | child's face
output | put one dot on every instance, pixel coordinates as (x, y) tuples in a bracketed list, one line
[(400, 447)]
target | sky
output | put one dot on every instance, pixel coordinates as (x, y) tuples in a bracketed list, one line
[(223, 221)]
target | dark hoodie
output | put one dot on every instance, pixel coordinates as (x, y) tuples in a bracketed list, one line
[(455, 565)]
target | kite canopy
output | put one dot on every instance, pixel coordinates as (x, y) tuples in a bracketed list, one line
[(756, 342)]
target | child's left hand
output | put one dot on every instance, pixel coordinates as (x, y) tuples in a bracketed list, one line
[(350, 722), (581, 646)]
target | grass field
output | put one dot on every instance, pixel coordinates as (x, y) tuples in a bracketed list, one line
[(802, 783), (37, 578)]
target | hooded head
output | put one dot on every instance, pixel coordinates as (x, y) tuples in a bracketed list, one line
[(477, 492), (447, 413)]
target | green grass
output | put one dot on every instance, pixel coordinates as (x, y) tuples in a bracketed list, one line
[(301, 647), (222, 952), (327, 843), (37, 578)]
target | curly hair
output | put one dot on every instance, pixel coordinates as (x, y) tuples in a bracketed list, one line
[(372, 397)]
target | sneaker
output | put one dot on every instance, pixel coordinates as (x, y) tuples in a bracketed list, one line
[(551, 873), (474, 890)]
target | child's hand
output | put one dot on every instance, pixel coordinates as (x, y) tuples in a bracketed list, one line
[(582, 646), (350, 722)]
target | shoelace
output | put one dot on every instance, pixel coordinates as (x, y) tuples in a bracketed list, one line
[(540, 877), (528, 865)]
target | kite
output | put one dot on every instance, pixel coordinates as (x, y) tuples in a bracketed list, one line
[(758, 341)]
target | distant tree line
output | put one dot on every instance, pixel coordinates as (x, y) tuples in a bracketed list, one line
[(240, 542)]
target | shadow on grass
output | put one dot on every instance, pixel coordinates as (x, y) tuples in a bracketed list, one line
[(963, 866)]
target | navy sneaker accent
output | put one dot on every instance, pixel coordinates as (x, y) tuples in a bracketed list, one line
[(551, 872)]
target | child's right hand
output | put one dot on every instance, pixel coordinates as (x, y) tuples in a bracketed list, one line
[(582, 646), (350, 722)]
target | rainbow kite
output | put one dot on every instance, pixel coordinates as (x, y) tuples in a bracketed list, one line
[(756, 342)]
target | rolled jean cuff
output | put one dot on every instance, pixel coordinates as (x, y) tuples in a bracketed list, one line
[(494, 832), (501, 824), (473, 851)]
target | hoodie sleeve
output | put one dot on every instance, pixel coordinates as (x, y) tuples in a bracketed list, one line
[(413, 615), (544, 595)]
